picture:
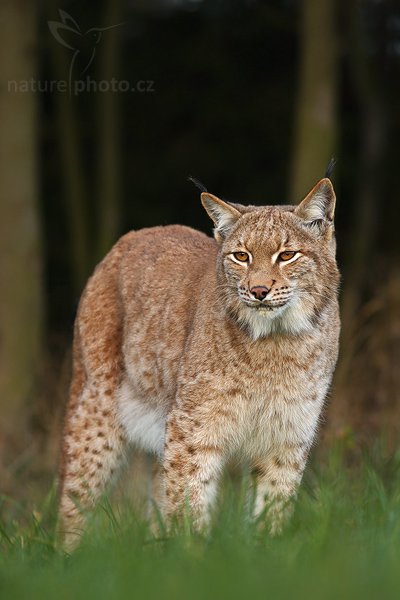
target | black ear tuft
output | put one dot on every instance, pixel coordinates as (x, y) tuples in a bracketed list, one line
[(330, 167), (197, 183)]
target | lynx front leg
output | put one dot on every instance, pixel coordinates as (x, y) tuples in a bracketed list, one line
[(191, 470), (277, 478)]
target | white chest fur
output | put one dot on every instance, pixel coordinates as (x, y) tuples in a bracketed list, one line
[(144, 425)]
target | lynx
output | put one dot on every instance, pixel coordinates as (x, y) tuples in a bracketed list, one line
[(199, 350)]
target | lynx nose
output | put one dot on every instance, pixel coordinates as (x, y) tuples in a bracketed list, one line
[(259, 292)]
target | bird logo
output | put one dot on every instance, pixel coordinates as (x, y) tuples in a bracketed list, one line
[(83, 44)]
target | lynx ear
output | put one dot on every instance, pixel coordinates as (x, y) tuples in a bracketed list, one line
[(223, 214), (319, 204)]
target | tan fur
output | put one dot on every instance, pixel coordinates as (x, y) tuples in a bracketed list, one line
[(173, 353)]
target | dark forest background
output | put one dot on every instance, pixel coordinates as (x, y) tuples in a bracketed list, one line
[(252, 97)]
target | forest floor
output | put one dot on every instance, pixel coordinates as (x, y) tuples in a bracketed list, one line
[(343, 542)]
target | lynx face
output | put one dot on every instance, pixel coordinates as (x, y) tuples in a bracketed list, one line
[(272, 260)]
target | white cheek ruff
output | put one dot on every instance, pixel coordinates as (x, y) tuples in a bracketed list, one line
[(292, 319)]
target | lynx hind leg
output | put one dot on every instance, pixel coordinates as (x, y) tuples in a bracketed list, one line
[(93, 440), (92, 452)]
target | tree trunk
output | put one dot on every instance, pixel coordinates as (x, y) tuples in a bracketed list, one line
[(74, 181), (21, 300), (109, 153), (315, 125)]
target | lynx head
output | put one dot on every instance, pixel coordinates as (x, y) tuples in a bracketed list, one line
[(276, 266)]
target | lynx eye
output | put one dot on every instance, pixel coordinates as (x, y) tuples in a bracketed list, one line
[(241, 256), (287, 255)]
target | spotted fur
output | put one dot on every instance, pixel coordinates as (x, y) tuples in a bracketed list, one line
[(174, 353)]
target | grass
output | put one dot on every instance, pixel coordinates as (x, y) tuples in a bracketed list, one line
[(343, 542)]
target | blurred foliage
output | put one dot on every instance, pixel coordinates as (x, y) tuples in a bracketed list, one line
[(342, 543)]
